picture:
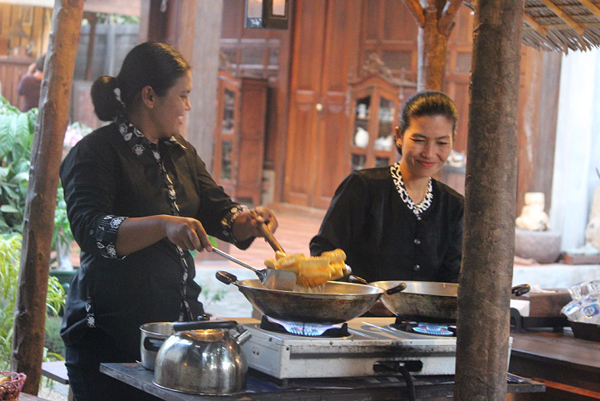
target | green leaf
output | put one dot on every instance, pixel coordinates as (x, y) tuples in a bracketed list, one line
[(8, 209)]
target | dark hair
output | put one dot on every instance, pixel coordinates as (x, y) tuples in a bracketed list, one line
[(149, 64), (427, 103), (39, 63)]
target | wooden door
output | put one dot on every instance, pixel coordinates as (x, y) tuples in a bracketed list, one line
[(325, 50)]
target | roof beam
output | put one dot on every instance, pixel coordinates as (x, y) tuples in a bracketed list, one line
[(592, 7), (537, 27), (563, 16)]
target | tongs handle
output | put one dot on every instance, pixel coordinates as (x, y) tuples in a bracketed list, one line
[(268, 235)]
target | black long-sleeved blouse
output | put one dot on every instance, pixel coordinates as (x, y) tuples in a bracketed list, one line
[(384, 239), (110, 175)]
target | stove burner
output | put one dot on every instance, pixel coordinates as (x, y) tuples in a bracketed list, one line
[(304, 329), (430, 329)]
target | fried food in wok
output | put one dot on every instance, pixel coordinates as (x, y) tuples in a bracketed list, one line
[(311, 271)]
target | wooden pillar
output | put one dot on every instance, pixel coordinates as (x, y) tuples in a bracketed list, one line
[(89, 62), (199, 43), (194, 28), (432, 52), (38, 222), (435, 21), (489, 222)]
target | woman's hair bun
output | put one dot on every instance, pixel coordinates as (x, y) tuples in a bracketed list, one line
[(106, 103)]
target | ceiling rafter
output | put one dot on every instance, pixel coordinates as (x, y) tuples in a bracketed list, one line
[(537, 27), (592, 7), (563, 16)]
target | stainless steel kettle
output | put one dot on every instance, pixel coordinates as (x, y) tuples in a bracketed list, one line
[(203, 358)]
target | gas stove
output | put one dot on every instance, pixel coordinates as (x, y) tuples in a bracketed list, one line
[(372, 347)]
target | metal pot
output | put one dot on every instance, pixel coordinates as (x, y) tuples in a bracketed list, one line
[(153, 336), (335, 302), (427, 300), (203, 358)]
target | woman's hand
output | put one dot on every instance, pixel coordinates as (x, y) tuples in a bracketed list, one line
[(187, 233), (246, 223)]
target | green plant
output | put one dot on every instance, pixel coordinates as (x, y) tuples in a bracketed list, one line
[(10, 252), (16, 142)]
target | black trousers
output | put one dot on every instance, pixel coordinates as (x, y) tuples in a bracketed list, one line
[(85, 378)]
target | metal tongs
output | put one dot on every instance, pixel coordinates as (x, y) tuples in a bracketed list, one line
[(270, 278)]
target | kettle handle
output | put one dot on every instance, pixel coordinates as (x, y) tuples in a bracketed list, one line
[(214, 324)]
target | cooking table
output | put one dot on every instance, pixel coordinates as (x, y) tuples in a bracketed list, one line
[(569, 366), (261, 387)]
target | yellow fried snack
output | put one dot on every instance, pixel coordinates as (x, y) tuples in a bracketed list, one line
[(270, 263), (4, 379), (338, 270), (337, 255), (312, 271), (290, 262)]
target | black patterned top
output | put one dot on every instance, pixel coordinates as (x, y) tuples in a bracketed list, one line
[(384, 238), (110, 175)]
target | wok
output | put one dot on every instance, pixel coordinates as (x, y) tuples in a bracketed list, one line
[(336, 302), (427, 301)]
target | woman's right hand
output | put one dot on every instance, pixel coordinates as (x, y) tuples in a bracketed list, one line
[(187, 233)]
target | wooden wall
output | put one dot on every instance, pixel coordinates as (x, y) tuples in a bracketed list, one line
[(331, 41), (35, 21), (14, 55)]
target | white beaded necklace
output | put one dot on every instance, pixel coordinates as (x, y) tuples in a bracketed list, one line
[(399, 183)]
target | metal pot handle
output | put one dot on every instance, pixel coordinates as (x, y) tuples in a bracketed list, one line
[(357, 280), (394, 290), (184, 326), (226, 277), (521, 289), (150, 345)]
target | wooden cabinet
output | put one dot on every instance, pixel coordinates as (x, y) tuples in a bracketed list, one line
[(374, 115), (240, 136)]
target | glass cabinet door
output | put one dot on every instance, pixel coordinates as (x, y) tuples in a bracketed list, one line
[(226, 159), (385, 126), (228, 111), (361, 136)]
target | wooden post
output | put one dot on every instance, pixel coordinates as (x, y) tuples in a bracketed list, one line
[(435, 21), (30, 316), (489, 222), (89, 61)]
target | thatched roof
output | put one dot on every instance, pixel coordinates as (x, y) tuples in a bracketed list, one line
[(560, 25)]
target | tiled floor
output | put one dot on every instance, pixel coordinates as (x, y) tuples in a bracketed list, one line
[(296, 228)]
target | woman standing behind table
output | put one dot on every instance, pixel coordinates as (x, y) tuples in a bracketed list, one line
[(397, 222), (138, 199)]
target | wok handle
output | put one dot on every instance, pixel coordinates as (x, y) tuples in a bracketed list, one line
[(521, 289), (226, 278), (357, 280), (184, 326), (394, 290)]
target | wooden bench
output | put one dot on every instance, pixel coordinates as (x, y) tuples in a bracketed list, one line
[(57, 371)]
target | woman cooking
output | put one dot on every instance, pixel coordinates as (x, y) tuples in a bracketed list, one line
[(139, 199), (397, 222)]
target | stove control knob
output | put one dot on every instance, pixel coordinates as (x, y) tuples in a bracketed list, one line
[(416, 268)]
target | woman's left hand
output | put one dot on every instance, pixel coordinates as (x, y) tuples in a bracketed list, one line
[(246, 223)]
